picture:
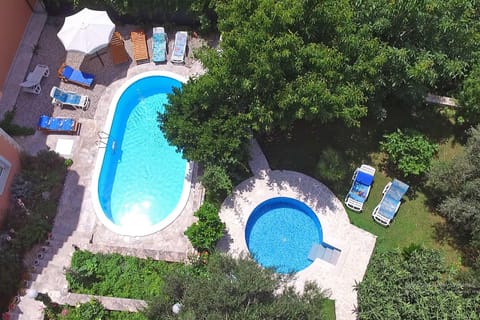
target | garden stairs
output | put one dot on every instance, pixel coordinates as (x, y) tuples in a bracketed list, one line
[(47, 275)]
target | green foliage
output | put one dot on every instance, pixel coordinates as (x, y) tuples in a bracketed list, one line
[(14, 129), (410, 152), (235, 289), (469, 109), (31, 215), (117, 276), (92, 310), (413, 285), (453, 187), (217, 182), (205, 233)]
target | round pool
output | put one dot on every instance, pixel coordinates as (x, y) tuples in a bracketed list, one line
[(142, 181), (280, 233)]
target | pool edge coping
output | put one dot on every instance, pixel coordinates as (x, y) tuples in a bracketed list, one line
[(189, 170)]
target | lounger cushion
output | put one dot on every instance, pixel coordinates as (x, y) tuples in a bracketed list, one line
[(364, 178), (56, 124), (78, 76), (67, 98)]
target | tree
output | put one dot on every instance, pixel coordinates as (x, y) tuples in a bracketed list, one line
[(228, 288), (453, 188), (410, 152), (414, 284)]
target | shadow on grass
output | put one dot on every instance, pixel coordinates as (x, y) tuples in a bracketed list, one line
[(446, 233)]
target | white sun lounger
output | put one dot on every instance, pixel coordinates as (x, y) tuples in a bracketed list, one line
[(32, 83), (178, 54)]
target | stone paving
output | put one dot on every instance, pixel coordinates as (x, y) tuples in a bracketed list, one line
[(356, 245)]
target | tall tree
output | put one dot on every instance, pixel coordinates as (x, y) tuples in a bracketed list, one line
[(453, 188), (228, 288)]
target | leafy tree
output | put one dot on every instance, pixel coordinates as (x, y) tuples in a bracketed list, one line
[(228, 288), (410, 152), (469, 106), (453, 187), (414, 284), (205, 233)]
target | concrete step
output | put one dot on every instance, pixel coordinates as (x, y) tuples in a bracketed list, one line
[(324, 252)]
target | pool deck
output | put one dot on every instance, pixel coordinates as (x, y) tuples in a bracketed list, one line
[(356, 245)]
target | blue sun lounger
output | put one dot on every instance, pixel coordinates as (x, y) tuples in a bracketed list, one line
[(159, 45), (362, 181), (388, 207), (69, 74), (58, 125)]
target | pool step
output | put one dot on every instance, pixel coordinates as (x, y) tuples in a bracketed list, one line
[(324, 252)]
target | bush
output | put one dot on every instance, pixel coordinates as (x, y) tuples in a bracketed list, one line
[(205, 233), (217, 182), (410, 152), (13, 129), (114, 275)]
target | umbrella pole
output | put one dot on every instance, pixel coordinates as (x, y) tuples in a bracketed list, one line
[(100, 58)]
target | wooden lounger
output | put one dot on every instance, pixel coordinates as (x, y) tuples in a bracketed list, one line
[(117, 49), (139, 43)]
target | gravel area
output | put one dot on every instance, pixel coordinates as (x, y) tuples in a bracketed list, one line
[(51, 52)]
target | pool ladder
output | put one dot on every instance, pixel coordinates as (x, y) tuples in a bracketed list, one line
[(102, 140)]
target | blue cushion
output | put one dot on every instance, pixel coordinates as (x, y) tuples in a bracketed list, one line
[(364, 178)]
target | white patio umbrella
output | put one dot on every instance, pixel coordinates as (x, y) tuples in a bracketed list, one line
[(87, 31)]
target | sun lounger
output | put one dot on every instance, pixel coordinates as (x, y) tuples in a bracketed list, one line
[(61, 98), (58, 125), (117, 49), (159, 45), (178, 54), (139, 43), (388, 207), (32, 83), (69, 74), (362, 181)]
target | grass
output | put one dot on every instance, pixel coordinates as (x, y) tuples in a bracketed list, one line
[(301, 148), (329, 309)]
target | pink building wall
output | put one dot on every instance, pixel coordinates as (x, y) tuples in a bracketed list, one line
[(14, 17), (9, 151)]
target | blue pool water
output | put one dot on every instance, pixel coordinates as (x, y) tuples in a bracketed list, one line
[(280, 233), (142, 177)]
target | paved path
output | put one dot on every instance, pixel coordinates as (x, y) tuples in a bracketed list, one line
[(356, 245)]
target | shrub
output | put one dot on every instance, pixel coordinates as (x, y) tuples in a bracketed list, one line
[(410, 152), (217, 182), (14, 129), (117, 276), (205, 233)]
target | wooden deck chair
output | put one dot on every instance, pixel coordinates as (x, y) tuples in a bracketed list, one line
[(117, 49), (139, 43)]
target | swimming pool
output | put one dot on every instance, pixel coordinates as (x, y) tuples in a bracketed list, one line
[(280, 233), (141, 183)]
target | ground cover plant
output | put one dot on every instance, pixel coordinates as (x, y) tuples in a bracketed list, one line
[(115, 275), (35, 191), (414, 284), (92, 310)]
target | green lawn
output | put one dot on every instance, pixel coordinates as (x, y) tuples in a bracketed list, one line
[(415, 223)]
